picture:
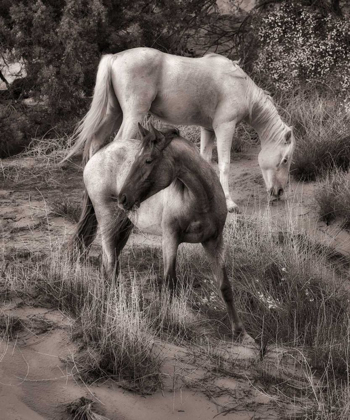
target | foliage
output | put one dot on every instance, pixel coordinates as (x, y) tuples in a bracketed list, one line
[(321, 128), (13, 125), (299, 44), (62, 41), (333, 198)]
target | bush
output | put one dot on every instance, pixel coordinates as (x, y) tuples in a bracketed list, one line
[(333, 199), (301, 44), (20, 124), (321, 129), (13, 127)]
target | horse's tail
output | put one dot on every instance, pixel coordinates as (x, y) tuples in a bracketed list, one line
[(103, 92), (85, 231)]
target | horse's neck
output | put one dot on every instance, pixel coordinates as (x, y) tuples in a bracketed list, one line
[(194, 174), (264, 117)]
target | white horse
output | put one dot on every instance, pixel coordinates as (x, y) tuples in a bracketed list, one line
[(212, 92)]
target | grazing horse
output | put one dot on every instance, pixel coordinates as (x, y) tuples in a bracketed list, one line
[(163, 186), (212, 92)]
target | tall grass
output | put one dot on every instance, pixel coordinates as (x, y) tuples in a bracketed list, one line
[(117, 340), (321, 126), (284, 288), (289, 293), (333, 198)]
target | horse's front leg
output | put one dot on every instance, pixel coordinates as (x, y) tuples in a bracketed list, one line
[(215, 252), (170, 245), (207, 143), (224, 135)]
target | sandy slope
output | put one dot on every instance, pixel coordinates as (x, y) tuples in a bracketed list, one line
[(35, 382)]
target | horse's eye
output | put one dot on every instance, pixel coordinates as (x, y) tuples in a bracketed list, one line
[(285, 160), (148, 161)]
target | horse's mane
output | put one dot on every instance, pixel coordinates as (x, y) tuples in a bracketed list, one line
[(263, 112)]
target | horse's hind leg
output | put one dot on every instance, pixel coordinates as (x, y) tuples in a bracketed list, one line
[(115, 232), (129, 128), (215, 252), (207, 143), (85, 231)]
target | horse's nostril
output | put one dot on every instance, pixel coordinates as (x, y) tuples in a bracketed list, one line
[(280, 192), (122, 199)]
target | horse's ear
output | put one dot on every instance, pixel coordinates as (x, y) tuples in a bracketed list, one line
[(143, 132), (159, 139)]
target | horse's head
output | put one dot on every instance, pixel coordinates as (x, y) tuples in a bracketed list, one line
[(152, 170), (274, 160)]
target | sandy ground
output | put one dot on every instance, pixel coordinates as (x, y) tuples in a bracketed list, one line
[(35, 381)]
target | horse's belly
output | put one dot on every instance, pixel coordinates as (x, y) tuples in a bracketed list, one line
[(185, 102), (148, 217)]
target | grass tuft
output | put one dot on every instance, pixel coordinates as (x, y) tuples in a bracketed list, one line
[(321, 128), (66, 208), (10, 325), (333, 198), (84, 409)]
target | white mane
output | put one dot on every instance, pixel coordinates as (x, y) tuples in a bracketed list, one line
[(264, 116)]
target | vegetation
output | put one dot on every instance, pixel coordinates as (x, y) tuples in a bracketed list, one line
[(321, 128), (333, 199), (294, 299), (287, 287)]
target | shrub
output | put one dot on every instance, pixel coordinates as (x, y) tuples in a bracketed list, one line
[(300, 44), (321, 129), (333, 198), (13, 128)]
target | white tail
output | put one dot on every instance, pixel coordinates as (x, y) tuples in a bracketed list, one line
[(88, 125)]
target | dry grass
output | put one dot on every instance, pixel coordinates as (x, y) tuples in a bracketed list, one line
[(10, 325), (285, 289), (83, 409), (333, 198), (321, 127), (67, 208)]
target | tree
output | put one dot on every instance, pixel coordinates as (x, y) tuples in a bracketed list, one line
[(61, 41)]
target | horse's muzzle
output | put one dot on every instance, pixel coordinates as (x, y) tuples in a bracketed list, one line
[(125, 204)]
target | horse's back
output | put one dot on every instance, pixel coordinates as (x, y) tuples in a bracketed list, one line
[(176, 89)]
